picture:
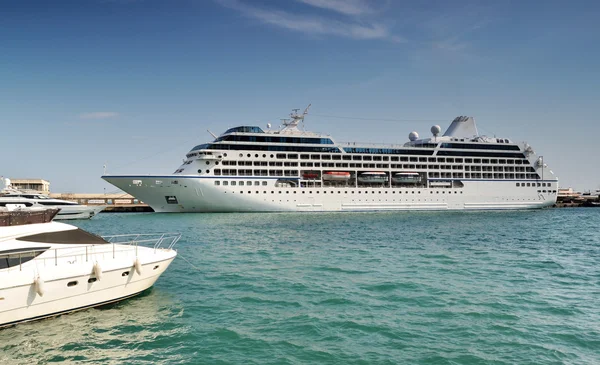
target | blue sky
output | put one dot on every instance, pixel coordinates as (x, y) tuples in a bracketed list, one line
[(135, 84)]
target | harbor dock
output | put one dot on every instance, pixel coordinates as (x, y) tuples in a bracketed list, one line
[(115, 203)]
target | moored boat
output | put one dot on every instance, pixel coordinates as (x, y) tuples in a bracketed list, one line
[(48, 268), (68, 209), (254, 170)]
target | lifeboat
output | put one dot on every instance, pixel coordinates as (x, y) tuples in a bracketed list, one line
[(406, 177), (310, 175), (336, 176), (372, 177)]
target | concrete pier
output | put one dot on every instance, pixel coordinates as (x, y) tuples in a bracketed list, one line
[(115, 203)]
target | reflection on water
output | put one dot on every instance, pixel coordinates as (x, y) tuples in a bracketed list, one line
[(116, 333)]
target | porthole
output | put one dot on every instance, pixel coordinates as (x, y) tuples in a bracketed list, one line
[(225, 154), (241, 155), (264, 155), (208, 162), (248, 155), (199, 171), (207, 171), (256, 155), (72, 283), (125, 273), (92, 280)]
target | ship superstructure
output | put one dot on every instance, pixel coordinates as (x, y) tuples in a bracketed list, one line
[(248, 169)]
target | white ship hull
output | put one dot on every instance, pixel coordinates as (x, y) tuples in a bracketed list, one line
[(200, 194)]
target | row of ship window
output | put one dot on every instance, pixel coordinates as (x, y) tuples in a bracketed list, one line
[(264, 183), (543, 184), (295, 156), (475, 168), (485, 175), (455, 175), (384, 166)]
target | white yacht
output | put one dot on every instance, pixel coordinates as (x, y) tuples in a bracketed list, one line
[(68, 209), (49, 268), (248, 169)]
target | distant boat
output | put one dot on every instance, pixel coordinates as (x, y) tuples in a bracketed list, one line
[(68, 209)]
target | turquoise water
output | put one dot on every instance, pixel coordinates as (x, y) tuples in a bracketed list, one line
[(356, 288)]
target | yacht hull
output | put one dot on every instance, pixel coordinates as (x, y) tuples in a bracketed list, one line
[(68, 290), (77, 212)]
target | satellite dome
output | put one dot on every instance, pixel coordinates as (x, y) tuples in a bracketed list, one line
[(413, 136), (435, 130), (268, 125)]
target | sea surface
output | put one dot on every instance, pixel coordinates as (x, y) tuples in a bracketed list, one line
[(345, 288)]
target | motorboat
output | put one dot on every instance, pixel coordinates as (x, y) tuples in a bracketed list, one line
[(49, 268), (68, 209)]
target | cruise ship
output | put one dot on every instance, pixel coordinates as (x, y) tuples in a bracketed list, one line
[(288, 169)]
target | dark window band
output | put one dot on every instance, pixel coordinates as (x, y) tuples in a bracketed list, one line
[(67, 237)]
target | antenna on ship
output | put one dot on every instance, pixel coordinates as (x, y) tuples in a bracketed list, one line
[(212, 134), (296, 118)]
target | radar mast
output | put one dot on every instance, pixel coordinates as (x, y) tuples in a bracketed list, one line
[(296, 118)]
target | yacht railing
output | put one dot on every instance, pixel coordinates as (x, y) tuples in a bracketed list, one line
[(168, 239), (118, 247)]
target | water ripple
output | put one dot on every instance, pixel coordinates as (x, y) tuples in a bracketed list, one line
[(364, 288)]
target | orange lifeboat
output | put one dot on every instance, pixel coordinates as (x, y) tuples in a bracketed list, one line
[(336, 176), (310, 175)]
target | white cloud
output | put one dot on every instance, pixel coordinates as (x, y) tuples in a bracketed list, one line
[(347, 7), (312, 24), (98, 115)]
